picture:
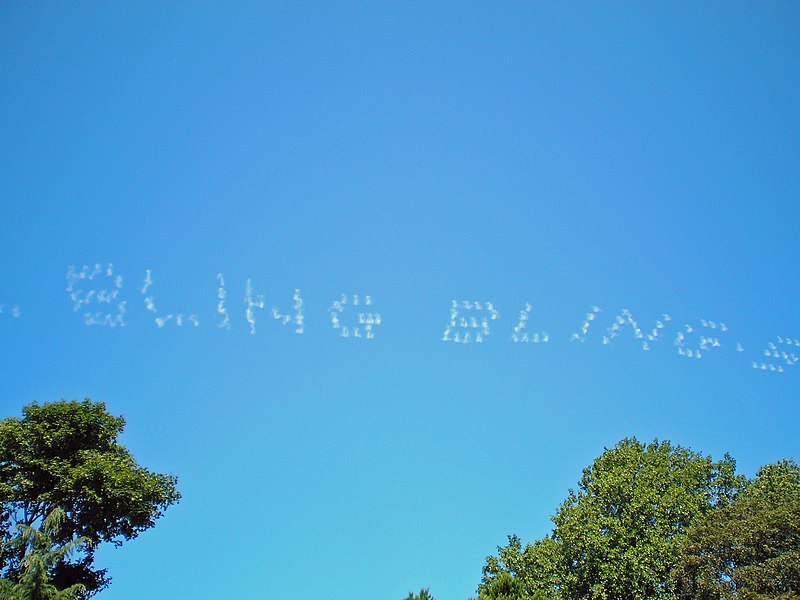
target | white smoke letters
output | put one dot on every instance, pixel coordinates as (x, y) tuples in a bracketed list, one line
[(96, 293)]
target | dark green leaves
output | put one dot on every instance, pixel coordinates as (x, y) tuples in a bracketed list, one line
[(65, 455), (752, 545), (424, 594), (659, 521)]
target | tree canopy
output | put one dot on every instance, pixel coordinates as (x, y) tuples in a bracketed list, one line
[(424, 594), (752, 545), (41, 554), (66, 456), (658, 521)]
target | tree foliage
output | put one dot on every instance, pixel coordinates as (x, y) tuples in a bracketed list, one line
[(65, 455), (538, 568), (424, 594), (504, 587), (615, 537), (751, 547), (42, 554)]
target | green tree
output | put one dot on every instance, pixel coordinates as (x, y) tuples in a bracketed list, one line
[(42, 555), (424, 594), (747, 595), (538, 568), (504, 587), (750, 548), (65, 455), (615, 537)]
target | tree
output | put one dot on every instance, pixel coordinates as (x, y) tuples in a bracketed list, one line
[(505, 587), (424, 594), (616, 536), (42, 555), (65, 455), (747, 595), (538, 569), (749, 549)]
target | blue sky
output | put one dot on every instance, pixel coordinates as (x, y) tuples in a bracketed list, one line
[(638, 158)]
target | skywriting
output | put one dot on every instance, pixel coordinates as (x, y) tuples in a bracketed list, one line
[(96, 294)]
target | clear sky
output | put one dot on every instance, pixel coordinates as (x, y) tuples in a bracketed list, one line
[(642, 158)]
